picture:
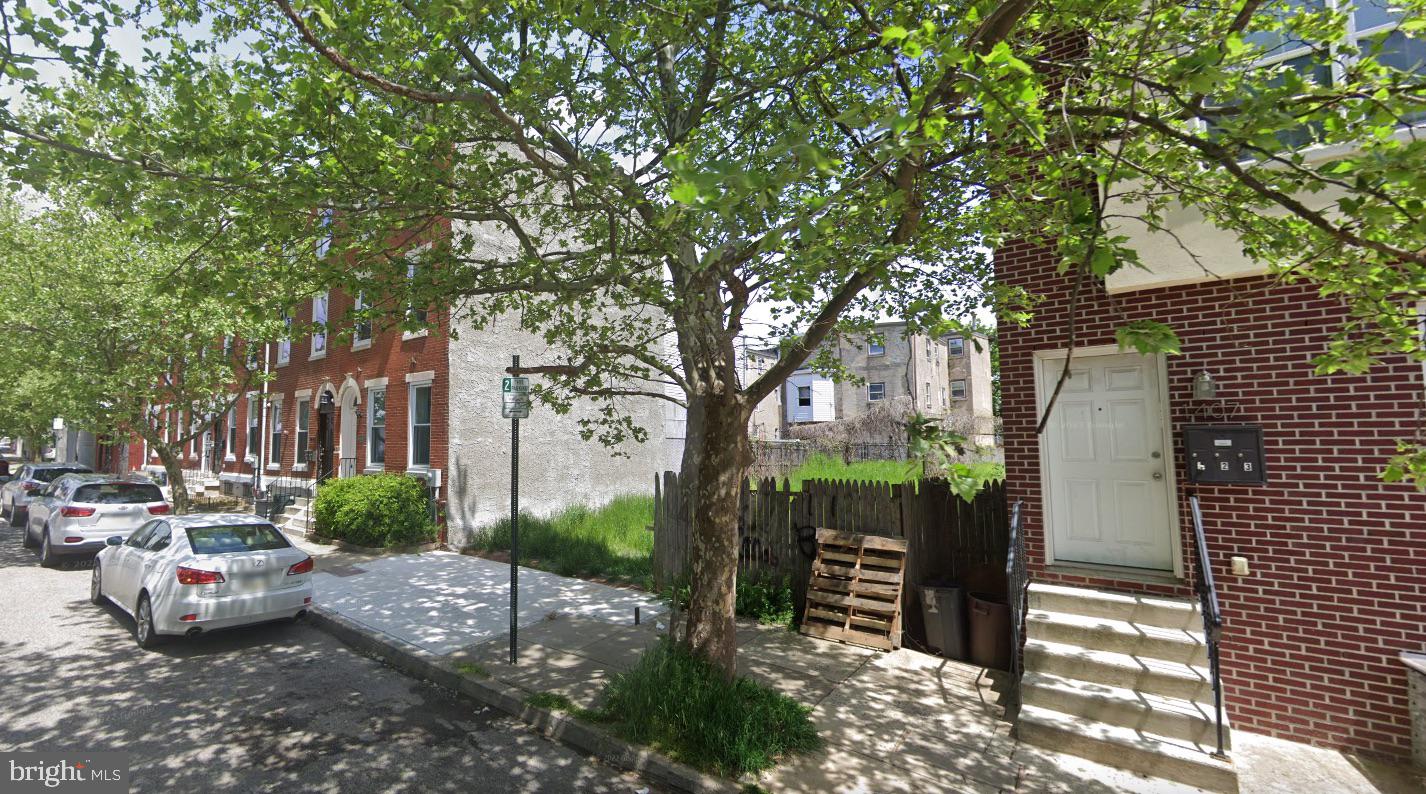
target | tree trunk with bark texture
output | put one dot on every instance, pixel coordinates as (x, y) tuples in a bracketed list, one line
[(178, 490)]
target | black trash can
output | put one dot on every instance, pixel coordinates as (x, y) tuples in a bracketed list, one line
[(989, 631), (944, 611)]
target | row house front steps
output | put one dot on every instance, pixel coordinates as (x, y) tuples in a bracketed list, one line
[(1122, 680), (296, 519)]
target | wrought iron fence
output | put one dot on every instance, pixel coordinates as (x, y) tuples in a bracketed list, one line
[(1017, 577), (1212, 615)]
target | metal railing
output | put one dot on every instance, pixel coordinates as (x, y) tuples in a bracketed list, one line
[(1017, 578), (1212, 616)]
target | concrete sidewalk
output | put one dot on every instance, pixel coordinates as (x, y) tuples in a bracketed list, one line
[(892, 722)]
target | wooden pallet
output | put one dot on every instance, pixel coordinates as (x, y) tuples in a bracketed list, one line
[(855, 591)]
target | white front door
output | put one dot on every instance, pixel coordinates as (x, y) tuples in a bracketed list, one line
[(1107, 468), (347, 456)]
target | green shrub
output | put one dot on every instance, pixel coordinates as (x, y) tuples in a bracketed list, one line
[(768, 600), (681, 705), (374, 510)]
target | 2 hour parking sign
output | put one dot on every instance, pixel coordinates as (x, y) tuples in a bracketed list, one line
[(515, 398)]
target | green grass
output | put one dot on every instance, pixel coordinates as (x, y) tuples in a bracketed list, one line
[(472, 669), (825, 467), (766, 599), (611, 542), (680, 705)]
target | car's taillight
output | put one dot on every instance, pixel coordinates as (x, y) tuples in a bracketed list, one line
[(195, 576), (76, 512), (31, 487), (160, 510), (74, 539), (301, 567)]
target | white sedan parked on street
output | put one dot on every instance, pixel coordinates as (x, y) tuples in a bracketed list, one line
[(189, 574)]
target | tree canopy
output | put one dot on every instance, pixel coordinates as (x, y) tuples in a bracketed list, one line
[(629, 178)]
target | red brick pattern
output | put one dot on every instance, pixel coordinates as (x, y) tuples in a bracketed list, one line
[(1338, 558)]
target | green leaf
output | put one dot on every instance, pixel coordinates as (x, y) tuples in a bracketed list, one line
[(684, 193), (1147, 337)]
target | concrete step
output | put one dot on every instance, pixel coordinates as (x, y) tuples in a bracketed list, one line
[(1143, 673), (1127, 748), (1168, 613), (1117, 636), (1175, 718)]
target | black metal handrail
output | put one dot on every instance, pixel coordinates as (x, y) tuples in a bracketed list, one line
[(1017, 578), (1212, 615)]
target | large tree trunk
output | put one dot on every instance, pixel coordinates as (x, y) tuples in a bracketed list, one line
[(177, 487), (721, 459)]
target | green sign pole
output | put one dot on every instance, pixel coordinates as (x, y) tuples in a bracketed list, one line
[(514, 522)]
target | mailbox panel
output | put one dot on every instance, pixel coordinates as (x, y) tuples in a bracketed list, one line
[(1225, 454)]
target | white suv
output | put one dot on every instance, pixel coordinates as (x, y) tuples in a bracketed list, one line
[(77, 512)]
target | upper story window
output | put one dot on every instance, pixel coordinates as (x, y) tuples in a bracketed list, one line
[(875, 348), (361, 329), (876, 391), (1372, 30), (804, 396), (928, 349), (415, 314), (319, 322), (956, 346), (284, 345), (958, 390), (324, 242)]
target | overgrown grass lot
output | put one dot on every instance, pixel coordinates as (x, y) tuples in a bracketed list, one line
[(610, 542), (826, 467), (681, 706)]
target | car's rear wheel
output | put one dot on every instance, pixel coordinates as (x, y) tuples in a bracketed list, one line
[(144, 633), (96, 587), (28, 539), (14, 516), (47, 555)]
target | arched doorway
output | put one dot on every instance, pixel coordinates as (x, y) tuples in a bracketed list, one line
[(348, 403)]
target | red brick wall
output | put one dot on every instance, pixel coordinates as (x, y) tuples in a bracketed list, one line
[(1338, 558)]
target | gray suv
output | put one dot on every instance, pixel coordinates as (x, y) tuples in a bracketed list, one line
[(78, 513), (15, 495)]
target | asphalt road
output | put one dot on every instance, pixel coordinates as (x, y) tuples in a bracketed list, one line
[(276, 707)]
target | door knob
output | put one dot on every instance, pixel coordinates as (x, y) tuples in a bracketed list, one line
[(1158, 475)]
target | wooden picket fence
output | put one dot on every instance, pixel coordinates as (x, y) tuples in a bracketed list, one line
[(947, 537)]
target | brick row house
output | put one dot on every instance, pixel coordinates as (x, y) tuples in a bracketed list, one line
[(1319, 566), (365, 397)]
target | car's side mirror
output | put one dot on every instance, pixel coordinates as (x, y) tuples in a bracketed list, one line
[(114, 540)]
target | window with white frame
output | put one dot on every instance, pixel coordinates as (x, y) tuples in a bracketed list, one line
[(419, 436), (928, 349), (254, 428), (361, 328), (926, 393), (300, 425), (876, 348), (415, 314), (319, 325), (876, 392), (284, 345), (376, 427), (324, 243), (230, 450), (943, 396), (958, 390), (274, 430), (956, 346), (1373, 28)]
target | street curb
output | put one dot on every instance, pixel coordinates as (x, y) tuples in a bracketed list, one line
[(583, 737)]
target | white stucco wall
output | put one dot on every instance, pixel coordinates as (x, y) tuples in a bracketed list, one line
[(557, 468)]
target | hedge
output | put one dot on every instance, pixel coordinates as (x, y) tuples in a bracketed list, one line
[(374, 510)]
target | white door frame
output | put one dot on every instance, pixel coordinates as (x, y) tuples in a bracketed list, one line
[(1042, 392), (347, 439)]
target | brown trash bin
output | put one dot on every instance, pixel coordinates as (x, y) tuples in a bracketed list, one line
[(989, 631)]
